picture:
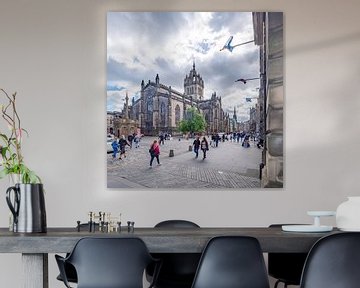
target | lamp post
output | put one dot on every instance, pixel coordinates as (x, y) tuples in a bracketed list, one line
[(230, 47)]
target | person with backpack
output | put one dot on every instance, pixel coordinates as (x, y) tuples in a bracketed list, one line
[(154, 152)]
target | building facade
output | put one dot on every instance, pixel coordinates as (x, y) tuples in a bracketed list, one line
[(120, 123), (268, 34), (160, 108)]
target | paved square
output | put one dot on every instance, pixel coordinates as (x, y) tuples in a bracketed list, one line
[(227, 166)]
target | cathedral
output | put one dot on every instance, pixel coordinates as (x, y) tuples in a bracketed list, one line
[(160, 108)]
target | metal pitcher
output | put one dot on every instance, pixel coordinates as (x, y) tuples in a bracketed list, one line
[(27, 207)]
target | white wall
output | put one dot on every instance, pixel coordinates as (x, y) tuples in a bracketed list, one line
[(53, 53)]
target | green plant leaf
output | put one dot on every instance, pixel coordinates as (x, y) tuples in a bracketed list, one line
[(4, 137)]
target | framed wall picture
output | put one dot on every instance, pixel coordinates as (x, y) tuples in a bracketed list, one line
[(195, 100)]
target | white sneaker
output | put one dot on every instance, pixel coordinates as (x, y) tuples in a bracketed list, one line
[(159, 164)]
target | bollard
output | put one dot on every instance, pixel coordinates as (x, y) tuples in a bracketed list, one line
[(171, 154), (261, 166), (190, 148)]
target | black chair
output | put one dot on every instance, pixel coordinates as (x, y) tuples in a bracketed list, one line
[(178, 269), (232, 262), (108, 263), (286, 267), (69, 269), (333, 262)]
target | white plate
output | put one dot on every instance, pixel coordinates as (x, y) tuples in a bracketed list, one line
[(306, 228), (321, 213)]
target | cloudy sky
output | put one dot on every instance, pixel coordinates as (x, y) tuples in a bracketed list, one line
[(141, 45)]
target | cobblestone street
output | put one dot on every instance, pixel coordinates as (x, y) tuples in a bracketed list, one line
[(227, 166)]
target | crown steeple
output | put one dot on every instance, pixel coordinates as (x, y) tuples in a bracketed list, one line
[(194, 84)]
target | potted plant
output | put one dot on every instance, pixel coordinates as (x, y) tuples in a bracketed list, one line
[(12, 161), (26, 197)]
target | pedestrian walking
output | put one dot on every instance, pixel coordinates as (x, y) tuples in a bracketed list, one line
[(137, 140), (246, 143), (130, 140), (196, 145), (115, 147), (122, 144), (154, 152), (204, 146), (161, 138), (217, 139)]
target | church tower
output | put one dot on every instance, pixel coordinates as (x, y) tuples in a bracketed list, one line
[(194, 85), (234, 115)]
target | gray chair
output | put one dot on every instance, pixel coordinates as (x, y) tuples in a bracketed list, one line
[(232, 262), (108, 263), (333, 262), (178, 269)]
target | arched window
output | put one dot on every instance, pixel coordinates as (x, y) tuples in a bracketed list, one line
[(177, 115), (149, 108), (207, 118), (162, 114)]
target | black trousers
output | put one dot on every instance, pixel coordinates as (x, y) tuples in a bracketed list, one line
[(152, 159), (204, 153)]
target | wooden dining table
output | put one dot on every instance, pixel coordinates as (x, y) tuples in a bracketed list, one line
[(35, 247)]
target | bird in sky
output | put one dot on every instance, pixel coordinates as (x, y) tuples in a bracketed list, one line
[(229, 47), (245, 80), (228, 44)]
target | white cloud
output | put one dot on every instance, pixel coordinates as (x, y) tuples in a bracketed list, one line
[(141, 45)]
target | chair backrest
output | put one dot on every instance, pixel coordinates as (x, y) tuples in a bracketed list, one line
[(110, 262), (176, 224), (178, 269), (287, 267), (232, 262), (333, 262)]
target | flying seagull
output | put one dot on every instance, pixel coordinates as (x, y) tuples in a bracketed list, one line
[(245, 80), (231, 48), (228, 44)]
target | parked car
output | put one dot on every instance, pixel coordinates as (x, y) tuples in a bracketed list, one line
[(109, 146)]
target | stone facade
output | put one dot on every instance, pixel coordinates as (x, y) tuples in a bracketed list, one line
[(120, 123), (268, 32), (160, 108)]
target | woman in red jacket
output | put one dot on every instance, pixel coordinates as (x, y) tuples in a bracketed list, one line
[(154, 152)]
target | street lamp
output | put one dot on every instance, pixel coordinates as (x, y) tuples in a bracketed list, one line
[(229, 47)]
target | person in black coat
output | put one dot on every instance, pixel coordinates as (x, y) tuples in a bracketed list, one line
[(122, 144), (196, 145)]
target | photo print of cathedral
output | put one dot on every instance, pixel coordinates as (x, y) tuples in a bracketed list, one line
[(179, 79), (164, 107)]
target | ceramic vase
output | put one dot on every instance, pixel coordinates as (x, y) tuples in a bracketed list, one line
[(348, 214), (27, 204)]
